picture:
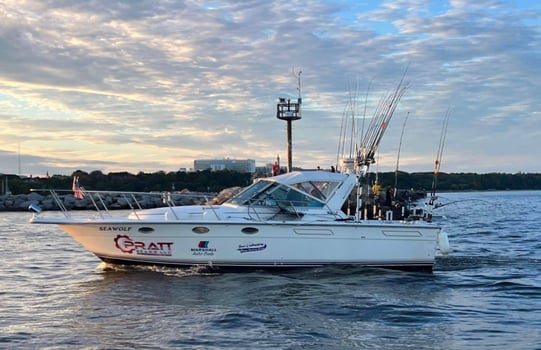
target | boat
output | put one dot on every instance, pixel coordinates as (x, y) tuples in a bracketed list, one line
[(298, 219)]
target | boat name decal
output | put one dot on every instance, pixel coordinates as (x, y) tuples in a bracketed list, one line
[(115, 228), (251, 247), (203, 249), (127, 245)]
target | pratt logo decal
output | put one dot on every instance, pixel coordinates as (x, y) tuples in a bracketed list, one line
[(251, 247), (203, 249), (129, 246)]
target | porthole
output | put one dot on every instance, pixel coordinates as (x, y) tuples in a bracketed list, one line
[(249, 230), (146, 229), (200, 229)]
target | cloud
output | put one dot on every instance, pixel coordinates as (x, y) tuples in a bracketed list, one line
[(148, 86)]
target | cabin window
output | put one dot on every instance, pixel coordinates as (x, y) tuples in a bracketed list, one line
[(319, 189), (295, 198)]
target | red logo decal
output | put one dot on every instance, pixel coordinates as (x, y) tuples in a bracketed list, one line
[(127, 245)]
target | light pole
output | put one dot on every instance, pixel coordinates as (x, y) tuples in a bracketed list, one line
[(289, 111)]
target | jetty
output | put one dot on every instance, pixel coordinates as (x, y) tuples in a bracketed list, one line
[(21, 202)]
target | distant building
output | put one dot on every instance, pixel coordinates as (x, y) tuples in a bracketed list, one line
[(240, 165), (264, 171)]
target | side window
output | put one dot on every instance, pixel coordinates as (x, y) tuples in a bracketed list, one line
[(299, 199)]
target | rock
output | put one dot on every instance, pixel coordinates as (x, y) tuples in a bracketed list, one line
[(35, 197), (48, 204), (112, 201), (225, 194)]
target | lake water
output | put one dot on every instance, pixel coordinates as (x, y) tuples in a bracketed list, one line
[(485, 294)]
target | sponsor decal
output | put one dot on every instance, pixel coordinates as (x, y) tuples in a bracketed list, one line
[(203, 249), (115, 228), (127, 245), (251, 247)]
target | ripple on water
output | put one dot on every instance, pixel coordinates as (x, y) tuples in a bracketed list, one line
[(484, 294)]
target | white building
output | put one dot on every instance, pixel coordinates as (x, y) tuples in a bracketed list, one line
[(240, 165)]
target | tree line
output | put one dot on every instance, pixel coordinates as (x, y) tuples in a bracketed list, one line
[(201, 181), (446, 182), (215, 181)]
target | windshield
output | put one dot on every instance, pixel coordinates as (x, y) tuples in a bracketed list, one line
[(249, 192), (267, 193)]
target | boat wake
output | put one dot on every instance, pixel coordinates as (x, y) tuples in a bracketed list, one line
[(196, 270)]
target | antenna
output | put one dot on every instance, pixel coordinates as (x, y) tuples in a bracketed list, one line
[(298, 75)]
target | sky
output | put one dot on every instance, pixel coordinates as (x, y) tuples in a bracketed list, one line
[(148, 86)]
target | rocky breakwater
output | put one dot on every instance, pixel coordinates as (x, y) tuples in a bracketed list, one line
[(46, 202)]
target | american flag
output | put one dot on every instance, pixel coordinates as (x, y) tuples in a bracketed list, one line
[(78, 191)]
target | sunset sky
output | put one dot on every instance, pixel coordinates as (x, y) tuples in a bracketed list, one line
[(152, 85)]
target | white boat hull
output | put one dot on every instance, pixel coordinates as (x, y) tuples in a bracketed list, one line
[(266, 244), (291, 220)]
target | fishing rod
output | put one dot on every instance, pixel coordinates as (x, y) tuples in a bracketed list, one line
[(353, 135), (389, 113), (439, 156), (398, 155), (463, 200), (378, 125), (349, 111), (342, 137), (354, 129), (364, 116)]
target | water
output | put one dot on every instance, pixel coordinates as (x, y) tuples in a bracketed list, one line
[(485, 294)]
